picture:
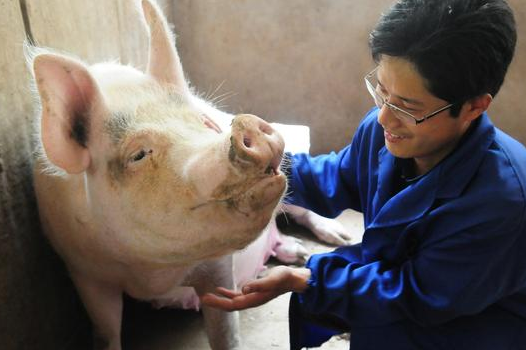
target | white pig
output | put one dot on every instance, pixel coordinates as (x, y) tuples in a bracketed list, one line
[(141, 192)]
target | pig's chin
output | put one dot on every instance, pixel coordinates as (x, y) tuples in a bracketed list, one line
[(263, 196), (220, 226), (249, 213), (249, 199)]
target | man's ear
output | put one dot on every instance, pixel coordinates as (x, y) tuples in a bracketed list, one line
[(68, 93), (473, 108)]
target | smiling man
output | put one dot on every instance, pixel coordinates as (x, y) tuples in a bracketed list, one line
[(442, 190)]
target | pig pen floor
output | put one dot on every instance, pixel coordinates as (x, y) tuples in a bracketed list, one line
[(262, 328)]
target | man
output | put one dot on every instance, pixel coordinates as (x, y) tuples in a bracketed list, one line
[(442, 264)]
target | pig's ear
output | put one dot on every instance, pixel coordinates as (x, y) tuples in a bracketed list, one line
[(68, 93), (163, 61)]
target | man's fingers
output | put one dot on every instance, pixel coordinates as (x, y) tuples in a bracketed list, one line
[(252, 300), (216, 301), (227, 292), (238, 302), (263, 284), (222, 298), (253, 294)]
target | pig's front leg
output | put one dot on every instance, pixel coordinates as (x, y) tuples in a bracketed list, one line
[(103, 302), (221, 327), (327, 230)]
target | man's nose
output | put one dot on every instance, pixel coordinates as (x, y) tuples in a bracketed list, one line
[(386, 117)]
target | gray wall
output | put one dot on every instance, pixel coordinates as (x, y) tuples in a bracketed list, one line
[(303, 62), (38, 306)]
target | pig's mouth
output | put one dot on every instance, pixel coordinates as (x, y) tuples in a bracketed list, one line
[(271, 170), (251, 197)]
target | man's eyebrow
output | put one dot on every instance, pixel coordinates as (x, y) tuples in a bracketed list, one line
[(405, 99)]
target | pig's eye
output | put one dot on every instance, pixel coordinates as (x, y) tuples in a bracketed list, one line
[(140, 155)]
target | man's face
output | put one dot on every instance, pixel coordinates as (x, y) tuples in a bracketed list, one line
[(428, 142)]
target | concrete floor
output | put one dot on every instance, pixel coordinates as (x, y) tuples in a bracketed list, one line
[(262, 328)]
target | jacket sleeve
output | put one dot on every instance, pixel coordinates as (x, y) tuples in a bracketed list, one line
[(327, 184), (461, 274)]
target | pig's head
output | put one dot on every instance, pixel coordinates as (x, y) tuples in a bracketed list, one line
[(161, 178)]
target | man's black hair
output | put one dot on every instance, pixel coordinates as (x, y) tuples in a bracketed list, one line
[(462, 48)]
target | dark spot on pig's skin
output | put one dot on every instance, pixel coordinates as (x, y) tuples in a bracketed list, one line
[(79, 129), (231, 151), (230, 203), (118, 125), (227, 190), (1, 166), (115, 170)]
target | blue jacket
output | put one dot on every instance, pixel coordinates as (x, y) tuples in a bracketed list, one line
[(442, 264)]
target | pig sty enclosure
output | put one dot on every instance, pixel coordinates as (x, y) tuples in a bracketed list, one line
[(294, 62)]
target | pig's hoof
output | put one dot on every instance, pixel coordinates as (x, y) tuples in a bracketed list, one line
[(291, 251), (330, 231)]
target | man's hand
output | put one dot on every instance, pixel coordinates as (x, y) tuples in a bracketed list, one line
[(280, 280)]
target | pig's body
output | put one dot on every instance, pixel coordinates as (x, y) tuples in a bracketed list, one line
[(141, 192), (138, 189), (165, 234)]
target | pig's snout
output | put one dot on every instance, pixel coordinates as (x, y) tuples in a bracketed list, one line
[(255, 142)]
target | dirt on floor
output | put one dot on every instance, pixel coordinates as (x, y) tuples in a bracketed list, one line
[(262, 328)]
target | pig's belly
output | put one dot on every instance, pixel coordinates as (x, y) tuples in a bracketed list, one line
[(248, 263), (179, 297), (161, 287)]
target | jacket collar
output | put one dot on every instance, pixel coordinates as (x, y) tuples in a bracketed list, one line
[(446, 180)]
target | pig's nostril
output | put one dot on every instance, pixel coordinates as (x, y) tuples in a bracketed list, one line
[(247, 142)]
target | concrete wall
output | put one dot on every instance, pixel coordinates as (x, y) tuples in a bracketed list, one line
[(299, 61), (38, 306)]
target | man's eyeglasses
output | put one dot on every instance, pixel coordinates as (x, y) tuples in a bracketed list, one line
[(372, 83)]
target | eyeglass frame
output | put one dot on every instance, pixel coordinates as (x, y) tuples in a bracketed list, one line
[(405, 115)]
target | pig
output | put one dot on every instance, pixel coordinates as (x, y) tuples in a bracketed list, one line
[(143, 190)]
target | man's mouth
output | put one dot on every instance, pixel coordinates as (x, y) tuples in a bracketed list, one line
[(392, 137)]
